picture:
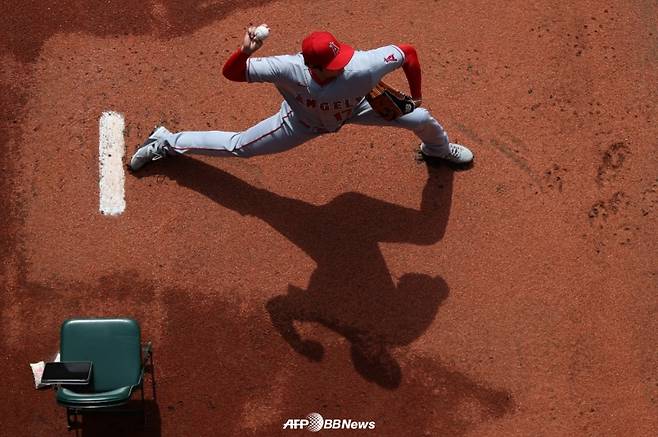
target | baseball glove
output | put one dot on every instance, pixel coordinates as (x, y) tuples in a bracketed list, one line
[(389, 102)]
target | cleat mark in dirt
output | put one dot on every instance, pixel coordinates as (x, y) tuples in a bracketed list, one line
[(602, 210), (553, 178), (612, 162), (510, 153), (649, 199)]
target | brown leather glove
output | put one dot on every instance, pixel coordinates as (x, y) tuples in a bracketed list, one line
[(389, 102)]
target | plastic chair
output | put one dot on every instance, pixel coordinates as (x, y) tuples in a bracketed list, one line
[(119, 361)]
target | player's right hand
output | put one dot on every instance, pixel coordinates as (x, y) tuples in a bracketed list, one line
[(250, 43)]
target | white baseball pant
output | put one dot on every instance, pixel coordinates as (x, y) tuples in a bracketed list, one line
[(283, 131)]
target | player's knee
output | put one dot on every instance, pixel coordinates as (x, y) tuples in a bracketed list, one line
[(240, 148), (242, 152), (422, 115)]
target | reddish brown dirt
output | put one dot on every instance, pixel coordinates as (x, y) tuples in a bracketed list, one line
[(516, 298)]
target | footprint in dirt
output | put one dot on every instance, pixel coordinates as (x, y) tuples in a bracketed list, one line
[(649, 199), (553, 178), (602, 210), (612, 162)]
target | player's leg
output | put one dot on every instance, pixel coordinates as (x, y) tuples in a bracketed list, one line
[(275, 134), (435, 141)]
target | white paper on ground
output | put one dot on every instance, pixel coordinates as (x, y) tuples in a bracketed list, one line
[(37, 371)]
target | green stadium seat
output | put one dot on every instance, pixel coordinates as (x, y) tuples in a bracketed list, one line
[(119, 361)]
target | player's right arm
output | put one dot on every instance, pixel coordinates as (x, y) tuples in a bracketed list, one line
[(271, 69), (235, 68), (241, 68)]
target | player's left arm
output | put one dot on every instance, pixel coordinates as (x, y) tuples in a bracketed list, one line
[(411, 68), (385, 60)]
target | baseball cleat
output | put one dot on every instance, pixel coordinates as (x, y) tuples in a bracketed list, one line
[(455, 153), (154, 148)]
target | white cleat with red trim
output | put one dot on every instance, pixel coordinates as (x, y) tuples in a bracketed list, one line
[(455, 153), (154, 148)]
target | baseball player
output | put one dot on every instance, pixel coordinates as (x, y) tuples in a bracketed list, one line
[(323, 87)]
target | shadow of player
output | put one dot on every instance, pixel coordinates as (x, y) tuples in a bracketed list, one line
[(351, 291), (163, 19)]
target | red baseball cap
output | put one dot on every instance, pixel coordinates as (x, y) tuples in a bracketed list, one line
[(322, 49)]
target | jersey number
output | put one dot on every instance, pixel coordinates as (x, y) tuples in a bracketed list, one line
[(343, 115)]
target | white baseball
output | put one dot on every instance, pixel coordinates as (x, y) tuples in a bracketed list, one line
[(262, 32)]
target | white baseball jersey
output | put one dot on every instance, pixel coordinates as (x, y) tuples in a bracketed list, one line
[(329, 106), (310, 109)]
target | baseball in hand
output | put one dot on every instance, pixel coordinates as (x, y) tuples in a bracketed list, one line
[(262, 32)]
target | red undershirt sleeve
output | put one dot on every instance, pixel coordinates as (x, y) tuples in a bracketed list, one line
[(235, 68), (411, 69)]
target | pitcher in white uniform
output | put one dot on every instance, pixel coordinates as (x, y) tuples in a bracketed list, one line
[(323, 88)]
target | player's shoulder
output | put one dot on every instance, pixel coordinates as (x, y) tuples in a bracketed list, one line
[(281, 67), (291, 60), (380, 56)]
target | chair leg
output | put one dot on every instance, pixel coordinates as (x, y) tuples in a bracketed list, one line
[(70, 413), (153, 377), (141, 389)]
